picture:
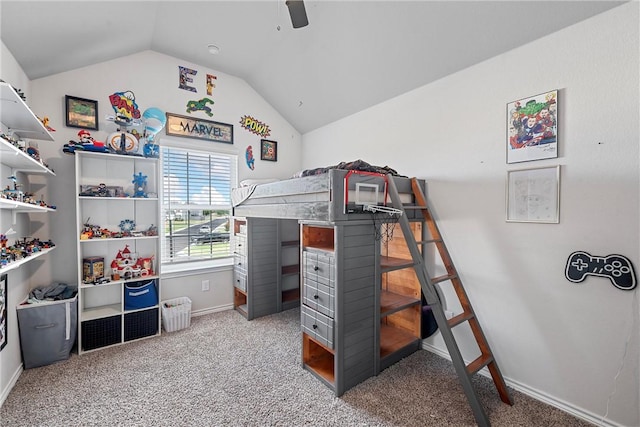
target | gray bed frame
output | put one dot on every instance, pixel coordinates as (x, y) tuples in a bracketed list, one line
[(316, 197)]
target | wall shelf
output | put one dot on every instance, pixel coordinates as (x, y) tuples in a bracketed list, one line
[(18, 117), (20, 161), (16, 264)]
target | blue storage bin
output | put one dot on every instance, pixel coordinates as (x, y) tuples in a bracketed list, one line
[(139, 295)]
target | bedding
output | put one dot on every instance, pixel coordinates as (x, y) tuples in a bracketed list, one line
[(358, 165)]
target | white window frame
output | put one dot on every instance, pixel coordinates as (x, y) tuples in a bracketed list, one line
[(177, 266)]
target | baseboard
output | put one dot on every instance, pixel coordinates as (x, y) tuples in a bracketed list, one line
[(210, 310), (535, 394), (11, 384)]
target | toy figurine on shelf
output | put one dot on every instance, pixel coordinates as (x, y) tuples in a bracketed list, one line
[(154, 120), (123, 141), (139, 185), (127, 265), (45, 123), (85, 143), (13, 194)]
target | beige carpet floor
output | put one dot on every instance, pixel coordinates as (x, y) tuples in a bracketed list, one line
[(226, 371)]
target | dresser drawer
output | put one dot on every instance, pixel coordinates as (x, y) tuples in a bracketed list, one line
[(319, 297), (318, 326), (240, 244), (319, 267), (240, 263), (240, 279)]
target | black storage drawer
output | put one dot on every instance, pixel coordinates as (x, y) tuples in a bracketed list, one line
[(140, 324), (101, 332)]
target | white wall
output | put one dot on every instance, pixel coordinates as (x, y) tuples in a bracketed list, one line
[(153, 78), (554, 339)]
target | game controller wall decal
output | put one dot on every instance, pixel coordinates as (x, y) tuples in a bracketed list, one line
[(617, 268)]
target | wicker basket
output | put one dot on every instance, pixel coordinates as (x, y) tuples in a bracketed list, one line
[(176, 314)]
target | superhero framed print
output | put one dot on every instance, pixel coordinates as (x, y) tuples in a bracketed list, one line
[(532, 128)]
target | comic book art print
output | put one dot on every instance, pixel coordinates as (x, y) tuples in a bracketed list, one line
[(532, 128)]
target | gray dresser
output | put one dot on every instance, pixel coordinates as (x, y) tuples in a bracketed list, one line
[(339, 294)]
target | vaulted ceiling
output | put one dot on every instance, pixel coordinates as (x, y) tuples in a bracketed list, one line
[(352, 55)]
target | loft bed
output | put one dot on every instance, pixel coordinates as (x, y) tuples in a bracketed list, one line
[(336, 193)]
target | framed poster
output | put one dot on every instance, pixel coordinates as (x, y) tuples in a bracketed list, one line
[(192, 127), (533, 195), (81, 113), (3, 311), (268, 150), (532, 128)]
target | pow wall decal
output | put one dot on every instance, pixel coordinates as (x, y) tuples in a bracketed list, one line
[(210, 84), (185, 78), (124, 105), (249, 157), (200, 105), (255, 126)]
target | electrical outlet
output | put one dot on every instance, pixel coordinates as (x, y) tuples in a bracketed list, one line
[(205, 285)]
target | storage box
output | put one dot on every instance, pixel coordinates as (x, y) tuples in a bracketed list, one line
[(139, 295), (92, 269), (140, 324), (47, 331), (176, 314), (101, 332)]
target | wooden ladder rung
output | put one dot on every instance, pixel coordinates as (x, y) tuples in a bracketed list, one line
[(460, 318), (482, 361), (444, 278)]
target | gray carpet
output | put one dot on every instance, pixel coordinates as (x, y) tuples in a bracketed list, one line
[(225, 371)]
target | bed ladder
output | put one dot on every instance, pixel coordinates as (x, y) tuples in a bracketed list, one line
[(427, 283)]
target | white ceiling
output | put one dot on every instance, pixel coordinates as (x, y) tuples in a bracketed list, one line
[(352, 55)]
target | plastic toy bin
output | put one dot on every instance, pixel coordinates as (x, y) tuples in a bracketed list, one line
[(176, 314), (47, 331)]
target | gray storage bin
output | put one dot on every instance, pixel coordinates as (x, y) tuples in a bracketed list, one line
[(47, 331)]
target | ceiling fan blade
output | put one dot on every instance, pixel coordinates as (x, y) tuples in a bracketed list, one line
[(298, 13)]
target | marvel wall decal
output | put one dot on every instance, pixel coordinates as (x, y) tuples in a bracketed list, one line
[(255, 126), (193, 127), (125, 107), (248, 154), (617, 268), (185, 78), (200, 105), (210, 83)]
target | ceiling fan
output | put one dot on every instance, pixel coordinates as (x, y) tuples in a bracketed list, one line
[(298, 13)]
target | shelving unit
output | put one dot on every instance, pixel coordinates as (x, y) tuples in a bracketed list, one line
[(289, 261), (266, 266), (255, 247), (400, 299), (19, 121), (105, 319)]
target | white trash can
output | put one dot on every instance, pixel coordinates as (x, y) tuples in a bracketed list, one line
[(176, 314)]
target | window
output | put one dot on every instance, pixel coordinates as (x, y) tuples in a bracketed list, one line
[(196, 203)]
